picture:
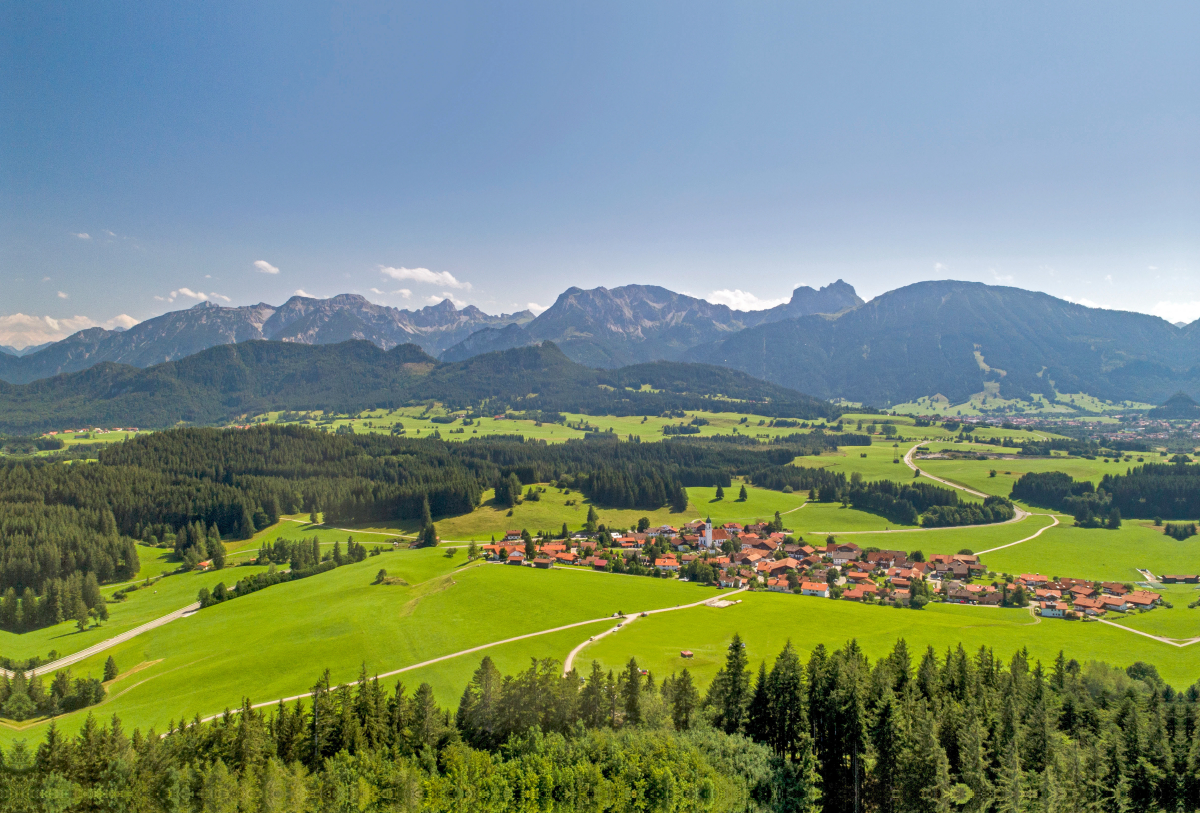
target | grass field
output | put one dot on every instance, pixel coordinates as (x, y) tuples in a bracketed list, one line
[(550, 512), (416, 423), (989, 402), (1177, 621), (164, 596), (767, 620), (275, 642), (975, 473), (1098, 553)]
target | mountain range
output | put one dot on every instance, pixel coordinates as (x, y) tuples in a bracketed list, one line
[(938, 337)]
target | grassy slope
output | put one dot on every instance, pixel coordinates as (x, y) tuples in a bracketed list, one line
[(163, 597), (767, 620), (275, 642)]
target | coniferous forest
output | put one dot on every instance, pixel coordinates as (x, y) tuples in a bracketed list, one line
[(1164, 490), (836, 734)]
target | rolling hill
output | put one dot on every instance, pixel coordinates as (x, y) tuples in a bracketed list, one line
[(231, 380)]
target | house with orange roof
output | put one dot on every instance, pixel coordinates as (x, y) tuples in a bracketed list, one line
[(814, 589)]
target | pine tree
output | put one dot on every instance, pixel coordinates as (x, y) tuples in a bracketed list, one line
[(426, 517), (742, 495), (110, 669), (720, 492)]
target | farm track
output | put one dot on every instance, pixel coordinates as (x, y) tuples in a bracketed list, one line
[(482, 647), (108, 643)]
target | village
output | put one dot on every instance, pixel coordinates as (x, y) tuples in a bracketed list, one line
[(764, 556)]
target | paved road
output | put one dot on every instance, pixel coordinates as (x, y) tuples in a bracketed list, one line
[(82, 654)]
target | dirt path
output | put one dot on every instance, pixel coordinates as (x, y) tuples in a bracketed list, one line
[(1171, 641), (67, 660), (629, 619), (482, 647), (1026, 539)]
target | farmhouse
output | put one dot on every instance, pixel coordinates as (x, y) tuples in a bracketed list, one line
[(1181, 579), (814, 589), (1054, 609)]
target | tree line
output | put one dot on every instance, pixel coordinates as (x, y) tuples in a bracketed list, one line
[(1149, 491), (835, 733)]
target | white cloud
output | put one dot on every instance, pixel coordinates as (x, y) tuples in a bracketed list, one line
[(1108, 278), (939, 267), (1005, 279), (82, 235), (1083, 300), (536, 308), (1177, 311), (743, 300), (61, 295), (22, 330), (220, 296), (265, 267), (442, 278), (188, 292), (404, 292), (301, 292)]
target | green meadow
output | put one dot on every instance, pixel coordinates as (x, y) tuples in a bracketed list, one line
[(163, 596), (275, 642), (1098, 553), (766, 621), (976, 473)]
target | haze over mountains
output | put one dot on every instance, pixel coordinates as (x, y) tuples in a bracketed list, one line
[(946, 337)]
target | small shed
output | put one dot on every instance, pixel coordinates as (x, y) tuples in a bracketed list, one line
[(686, 654)]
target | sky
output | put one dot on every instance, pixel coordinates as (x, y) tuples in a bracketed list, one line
[(156, 155)]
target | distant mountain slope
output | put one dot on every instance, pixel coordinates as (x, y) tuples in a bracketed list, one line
[(226, 381), (179, 334), (488, 340), (606, 327), (952, 337)]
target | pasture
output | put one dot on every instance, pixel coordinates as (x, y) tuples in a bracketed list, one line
[(275, 642), (766, 621)]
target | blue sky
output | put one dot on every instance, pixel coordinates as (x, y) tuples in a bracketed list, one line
[(499, 153)]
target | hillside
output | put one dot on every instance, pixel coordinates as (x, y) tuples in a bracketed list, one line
[(954, 337), (223, 382)]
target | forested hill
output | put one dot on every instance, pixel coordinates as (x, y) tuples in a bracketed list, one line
[(952, 337), (223, 382)]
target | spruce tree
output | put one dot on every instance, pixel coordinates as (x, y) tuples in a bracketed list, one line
[(631, 693), (110, 669), (720, 492), (742, 495)]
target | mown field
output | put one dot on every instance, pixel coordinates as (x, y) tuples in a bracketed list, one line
[(162, 597), (766, 621), (275, 642)]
